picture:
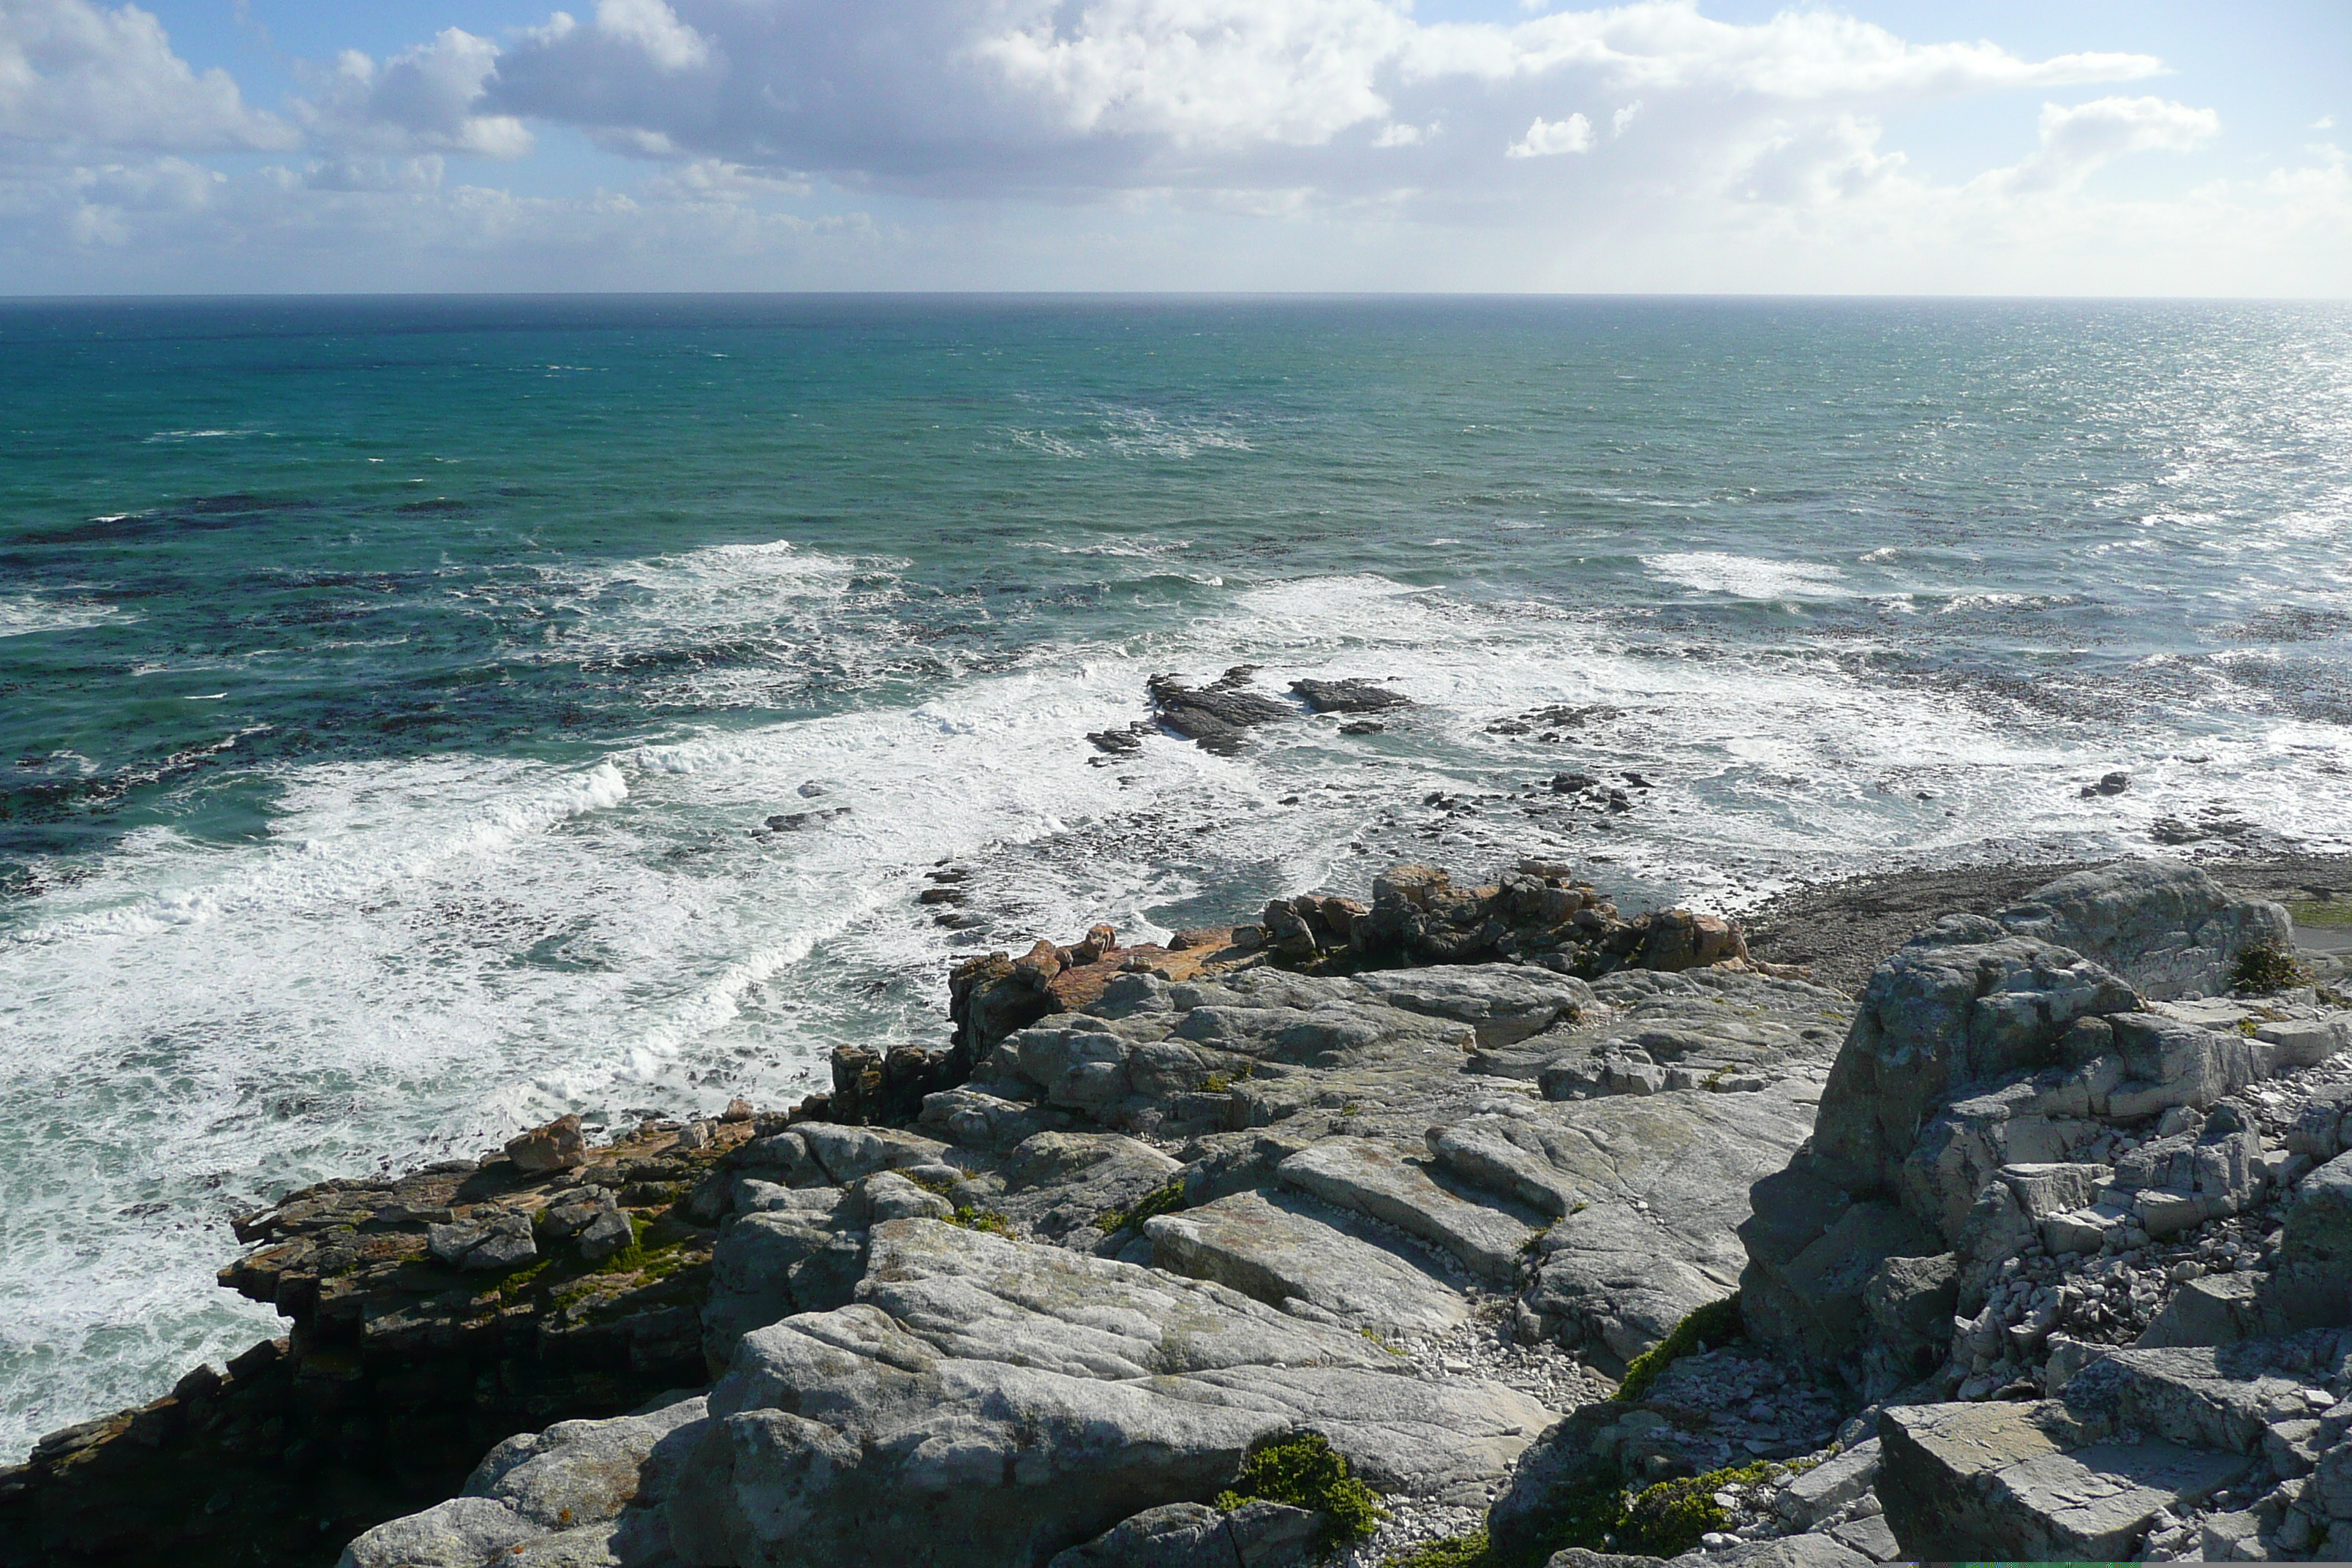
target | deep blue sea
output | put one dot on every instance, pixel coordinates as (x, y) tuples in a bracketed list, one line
[(388, 689)]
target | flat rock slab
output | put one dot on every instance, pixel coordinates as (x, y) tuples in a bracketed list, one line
[(1265, 1246), (2000, 1481), (989, 1404), (1372, 1178)]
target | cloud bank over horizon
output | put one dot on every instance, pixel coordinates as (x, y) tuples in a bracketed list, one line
[(1134, 144)]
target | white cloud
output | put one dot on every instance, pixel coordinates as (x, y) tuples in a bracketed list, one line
[(2077, 141), (2324, 123), (1623, 118), (76, 75), (1547, 138), (425, 98)]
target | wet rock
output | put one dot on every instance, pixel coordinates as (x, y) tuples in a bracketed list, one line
[(1349, 696), (1216, 717)]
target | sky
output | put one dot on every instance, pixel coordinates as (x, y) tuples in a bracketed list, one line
[(2065, 147)]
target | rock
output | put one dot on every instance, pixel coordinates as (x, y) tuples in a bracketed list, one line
[(1869, 1536), (767, 1266), (1936, 1016), (2225, 1397), (602, 1238), (577, 1472), (2002, 1481), (1790, 1551), (1349, 696), (1829, 1485), (989, 1403), (567, 1219), (1215, 717), (1363, 727), (1813, 1303), (2170, 929), (887, 1195), (1269, 1248), (2319, 1224), (497, 1241), (1056, 1182), (464, 1532), (558, 1146), (847, 1153), (1368, 1177), (1502, 1004), (2109, 783), (1907, 1303), (1258, 1534), (973, 1119)]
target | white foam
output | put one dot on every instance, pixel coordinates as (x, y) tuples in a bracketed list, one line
[(22, 615), (1746, 576)]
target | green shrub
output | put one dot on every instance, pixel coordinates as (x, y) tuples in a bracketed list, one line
[(1304, 1472), (1455, 1552), (2265, 966), (1668, 1518), (1716, 1323)]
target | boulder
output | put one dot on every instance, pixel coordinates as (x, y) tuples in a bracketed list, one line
[(1258, 1534), (577, 1472), (1349, 696), (2168, 929), (558, 1146), (494, 1241), (464, 1532)]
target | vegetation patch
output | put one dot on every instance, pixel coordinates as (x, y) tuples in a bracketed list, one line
[(1668, 1518), (2264, 966), (1455, 1551), (1159, 1200), (988, 1220), (2334, 913), (1304, 1472), (1716, 1323)]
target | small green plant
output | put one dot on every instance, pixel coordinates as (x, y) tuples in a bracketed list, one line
[(1351, 1109), (1216, 1083), (988, 1220), (1159, 1200), (1716, 1323), (1455, 1551), (1380, 1342), (2264, 966), (938, 1186), (1668, 1518), (1304, 1472)]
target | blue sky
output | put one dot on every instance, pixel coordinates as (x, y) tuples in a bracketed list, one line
[(1722, 145)]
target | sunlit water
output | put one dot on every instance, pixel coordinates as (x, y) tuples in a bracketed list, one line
[(388, 690)]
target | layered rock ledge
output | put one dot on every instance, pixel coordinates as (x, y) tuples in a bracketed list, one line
[(2038, 1244)]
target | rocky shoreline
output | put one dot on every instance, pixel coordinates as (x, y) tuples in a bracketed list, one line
[(2030, 1239)]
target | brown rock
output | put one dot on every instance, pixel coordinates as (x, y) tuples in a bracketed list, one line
[(557, 1146)]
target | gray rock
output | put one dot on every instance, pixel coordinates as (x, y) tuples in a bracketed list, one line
[(1936, 1016), (1373, 1179), (2223, 1397), (2168, 929), (497, 1241), (768, 1266), (1829, 1485), (577, 1472), (887, 1195), (1788, 1551), (990, 1402), (1257, 1534), (464, 1532), (975, 1119), (562, 1221), (1812, 1303), (1503, 1003), (1267, 1247), (1057, 1181), (1869, 1536), (2319, 1224), (846, 1154), (608, 1233), (2002, 1481)]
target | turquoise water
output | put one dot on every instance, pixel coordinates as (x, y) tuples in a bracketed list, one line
[(388, 689)]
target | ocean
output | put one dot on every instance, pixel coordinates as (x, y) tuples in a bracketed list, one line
[(394, 692)]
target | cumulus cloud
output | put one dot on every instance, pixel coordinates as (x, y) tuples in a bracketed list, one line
[(1547, 138), (1079, 97), (426, 98), (80, 75), (2077, 141)]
